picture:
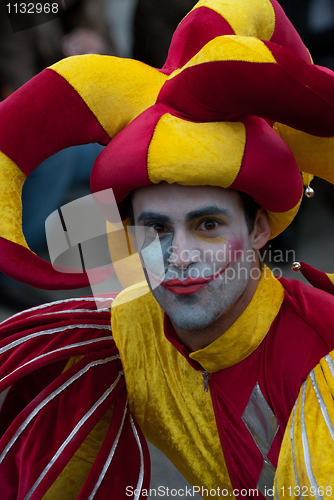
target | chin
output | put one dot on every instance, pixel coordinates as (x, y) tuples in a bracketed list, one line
[(187, 312), (190, 324), (192, 316), (202, 309)]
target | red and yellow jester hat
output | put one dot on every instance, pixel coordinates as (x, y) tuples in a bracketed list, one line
[(238, 104)]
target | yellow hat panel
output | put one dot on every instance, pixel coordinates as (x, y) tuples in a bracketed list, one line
[(196, 154), (247, 18), (314, 154), (11, 183), (117, 90), (281, 220), (230, 48)]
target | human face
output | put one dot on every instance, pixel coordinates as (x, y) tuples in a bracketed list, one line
[(207, 250)]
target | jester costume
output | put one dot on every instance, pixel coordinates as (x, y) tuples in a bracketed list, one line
[(231, 436), (238, 93)]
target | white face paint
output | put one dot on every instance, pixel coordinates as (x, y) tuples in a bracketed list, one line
[(154, 255), (206, 250)]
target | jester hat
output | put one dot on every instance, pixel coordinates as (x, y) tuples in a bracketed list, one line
[(238, 104)]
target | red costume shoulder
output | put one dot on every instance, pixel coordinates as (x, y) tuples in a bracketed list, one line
[(314, 306), (301, 334)]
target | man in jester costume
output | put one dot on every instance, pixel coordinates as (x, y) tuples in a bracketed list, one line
[(229, 371)]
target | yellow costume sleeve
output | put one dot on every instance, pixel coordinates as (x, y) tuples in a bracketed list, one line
[(306, 461)]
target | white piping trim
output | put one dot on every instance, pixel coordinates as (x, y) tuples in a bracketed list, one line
[(293, 443), (69, 346), (71, 436), (49, 398), (141, 471), (306, 448), (109, 459), (70, 311), (330, 364), (57, 302), (322, 405), (51, 332)]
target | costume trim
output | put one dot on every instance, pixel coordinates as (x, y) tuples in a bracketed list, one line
[(322, 405), (293, 443), (51, 332), (141, 472), (83, 420), (62, 349), (63, 301)]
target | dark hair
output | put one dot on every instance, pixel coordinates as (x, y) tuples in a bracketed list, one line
[(129, 210), (249, 206)]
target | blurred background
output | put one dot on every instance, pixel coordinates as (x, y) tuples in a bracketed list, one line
[(141, 29)]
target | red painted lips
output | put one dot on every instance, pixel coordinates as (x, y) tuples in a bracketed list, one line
[(190, 285)]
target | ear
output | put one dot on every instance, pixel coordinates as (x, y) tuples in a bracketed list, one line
[(261, 232)]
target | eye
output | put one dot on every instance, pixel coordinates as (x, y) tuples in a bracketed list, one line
[(159, 228), (208, 225)]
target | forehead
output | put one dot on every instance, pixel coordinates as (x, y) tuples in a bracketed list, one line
[(176, 201)]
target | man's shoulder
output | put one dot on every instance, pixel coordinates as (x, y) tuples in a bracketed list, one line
[(300, 336), (136, 301), (310, 304), (137, 321), (303, 331)]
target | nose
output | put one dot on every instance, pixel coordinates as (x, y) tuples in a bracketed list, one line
[(184, 251)]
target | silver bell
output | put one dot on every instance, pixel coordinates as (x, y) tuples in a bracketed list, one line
[(296, 266), (309, 192)]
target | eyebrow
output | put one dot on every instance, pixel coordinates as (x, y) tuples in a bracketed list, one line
[(154, 216), (207, 210), (195, 214)]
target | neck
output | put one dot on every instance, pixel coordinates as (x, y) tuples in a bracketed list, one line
[(195, 340)]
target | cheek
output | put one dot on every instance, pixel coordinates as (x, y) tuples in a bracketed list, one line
[(233, 251), (236, 249), (153, 259), (156, 254)]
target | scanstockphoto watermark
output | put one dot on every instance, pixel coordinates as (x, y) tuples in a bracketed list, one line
[(23, 14), (190, 491), (269, 255), (238, 272)]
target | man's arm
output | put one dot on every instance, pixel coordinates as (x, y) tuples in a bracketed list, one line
[(67, 430), (305, 465)]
